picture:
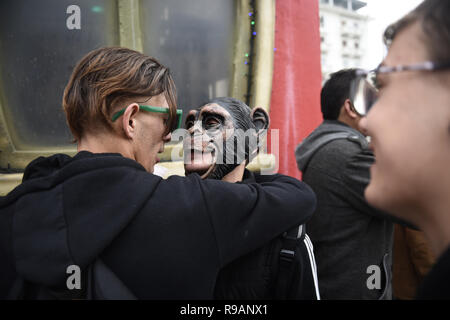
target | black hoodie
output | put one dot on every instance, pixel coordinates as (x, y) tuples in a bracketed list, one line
[(165, 239)]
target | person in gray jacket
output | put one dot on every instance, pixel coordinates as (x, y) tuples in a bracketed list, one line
[(352, 240)]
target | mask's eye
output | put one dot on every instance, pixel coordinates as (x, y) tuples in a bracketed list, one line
[(189, 123), (211, 123)]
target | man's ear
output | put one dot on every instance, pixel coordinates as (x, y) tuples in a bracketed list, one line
[(349, 110), (129, 120), (260, 118)]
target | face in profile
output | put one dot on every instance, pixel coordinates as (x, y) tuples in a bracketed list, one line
[(150, 133), (410, 135)]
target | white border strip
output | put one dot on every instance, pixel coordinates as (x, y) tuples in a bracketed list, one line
[(309, 247)]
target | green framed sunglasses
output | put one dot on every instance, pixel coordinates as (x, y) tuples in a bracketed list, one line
[(176, 125)]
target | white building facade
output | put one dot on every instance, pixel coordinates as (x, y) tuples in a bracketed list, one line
[(343, 33)]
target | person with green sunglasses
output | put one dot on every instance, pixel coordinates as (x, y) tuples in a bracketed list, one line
[(176, 123), (156, 121), (104, 213)]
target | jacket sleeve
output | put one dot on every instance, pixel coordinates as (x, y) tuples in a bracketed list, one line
[(247, 216), (356, 177)]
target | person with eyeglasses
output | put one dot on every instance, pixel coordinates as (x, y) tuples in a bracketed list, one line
[(352, 240), (407, 102), (130, 233)]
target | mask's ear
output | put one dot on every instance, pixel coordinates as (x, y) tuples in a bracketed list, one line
[(260, 118)]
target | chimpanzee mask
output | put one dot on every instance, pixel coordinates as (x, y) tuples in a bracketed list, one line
[(221, 135)]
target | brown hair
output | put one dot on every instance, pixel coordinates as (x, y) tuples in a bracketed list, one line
[(106, 77), (433, 15)]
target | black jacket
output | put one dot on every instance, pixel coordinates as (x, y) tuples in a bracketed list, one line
[(258, 275), (348, 234), (165, 239), (435, 285)]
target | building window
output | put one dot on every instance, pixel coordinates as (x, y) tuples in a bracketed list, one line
[(322, 40), (322, 22), (356, 45), (344, 43), (195, 39), (37, 58), (341, 3), (346, 63)]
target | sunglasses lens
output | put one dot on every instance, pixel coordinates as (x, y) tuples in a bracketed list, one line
[(357, 96), (363, 95), (177, 123), (370, 97)]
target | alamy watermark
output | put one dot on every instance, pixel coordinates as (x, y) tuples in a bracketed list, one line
[(73, 21), (374, 280), (74, 279)]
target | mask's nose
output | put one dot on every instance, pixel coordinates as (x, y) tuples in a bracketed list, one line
[(197, 141)]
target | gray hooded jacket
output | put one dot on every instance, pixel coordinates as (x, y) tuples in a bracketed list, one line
[(352, 240)]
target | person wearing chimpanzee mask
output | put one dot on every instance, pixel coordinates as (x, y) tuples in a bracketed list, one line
[(224, 135), (101, 225)]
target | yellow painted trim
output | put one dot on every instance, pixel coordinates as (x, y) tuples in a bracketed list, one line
[(263, 54), (263, 162), (175, 148), (129, 25), (19, 159), (174, 168), (9, 182), (262, 64), (242, 39), (5, 141)]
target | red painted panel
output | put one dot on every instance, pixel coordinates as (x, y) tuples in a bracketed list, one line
[(295, 102)]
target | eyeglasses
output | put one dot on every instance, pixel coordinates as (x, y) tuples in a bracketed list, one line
[(176, 125), (364, 89)]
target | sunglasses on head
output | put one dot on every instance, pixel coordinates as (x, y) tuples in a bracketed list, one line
[(176, 124)]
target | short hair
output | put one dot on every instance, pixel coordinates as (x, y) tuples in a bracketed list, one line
[(433, 16), (334, 93), (107, 77), (241, 111)]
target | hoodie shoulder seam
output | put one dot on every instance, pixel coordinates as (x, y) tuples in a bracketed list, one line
[(57, 178)]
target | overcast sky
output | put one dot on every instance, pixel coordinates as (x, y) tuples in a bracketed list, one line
[(382, 13)]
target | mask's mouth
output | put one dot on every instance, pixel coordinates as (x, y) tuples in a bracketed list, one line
[(199, 161)]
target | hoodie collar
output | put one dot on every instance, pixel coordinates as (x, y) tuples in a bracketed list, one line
[(60, 218), (328, 131), (45, 166)]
